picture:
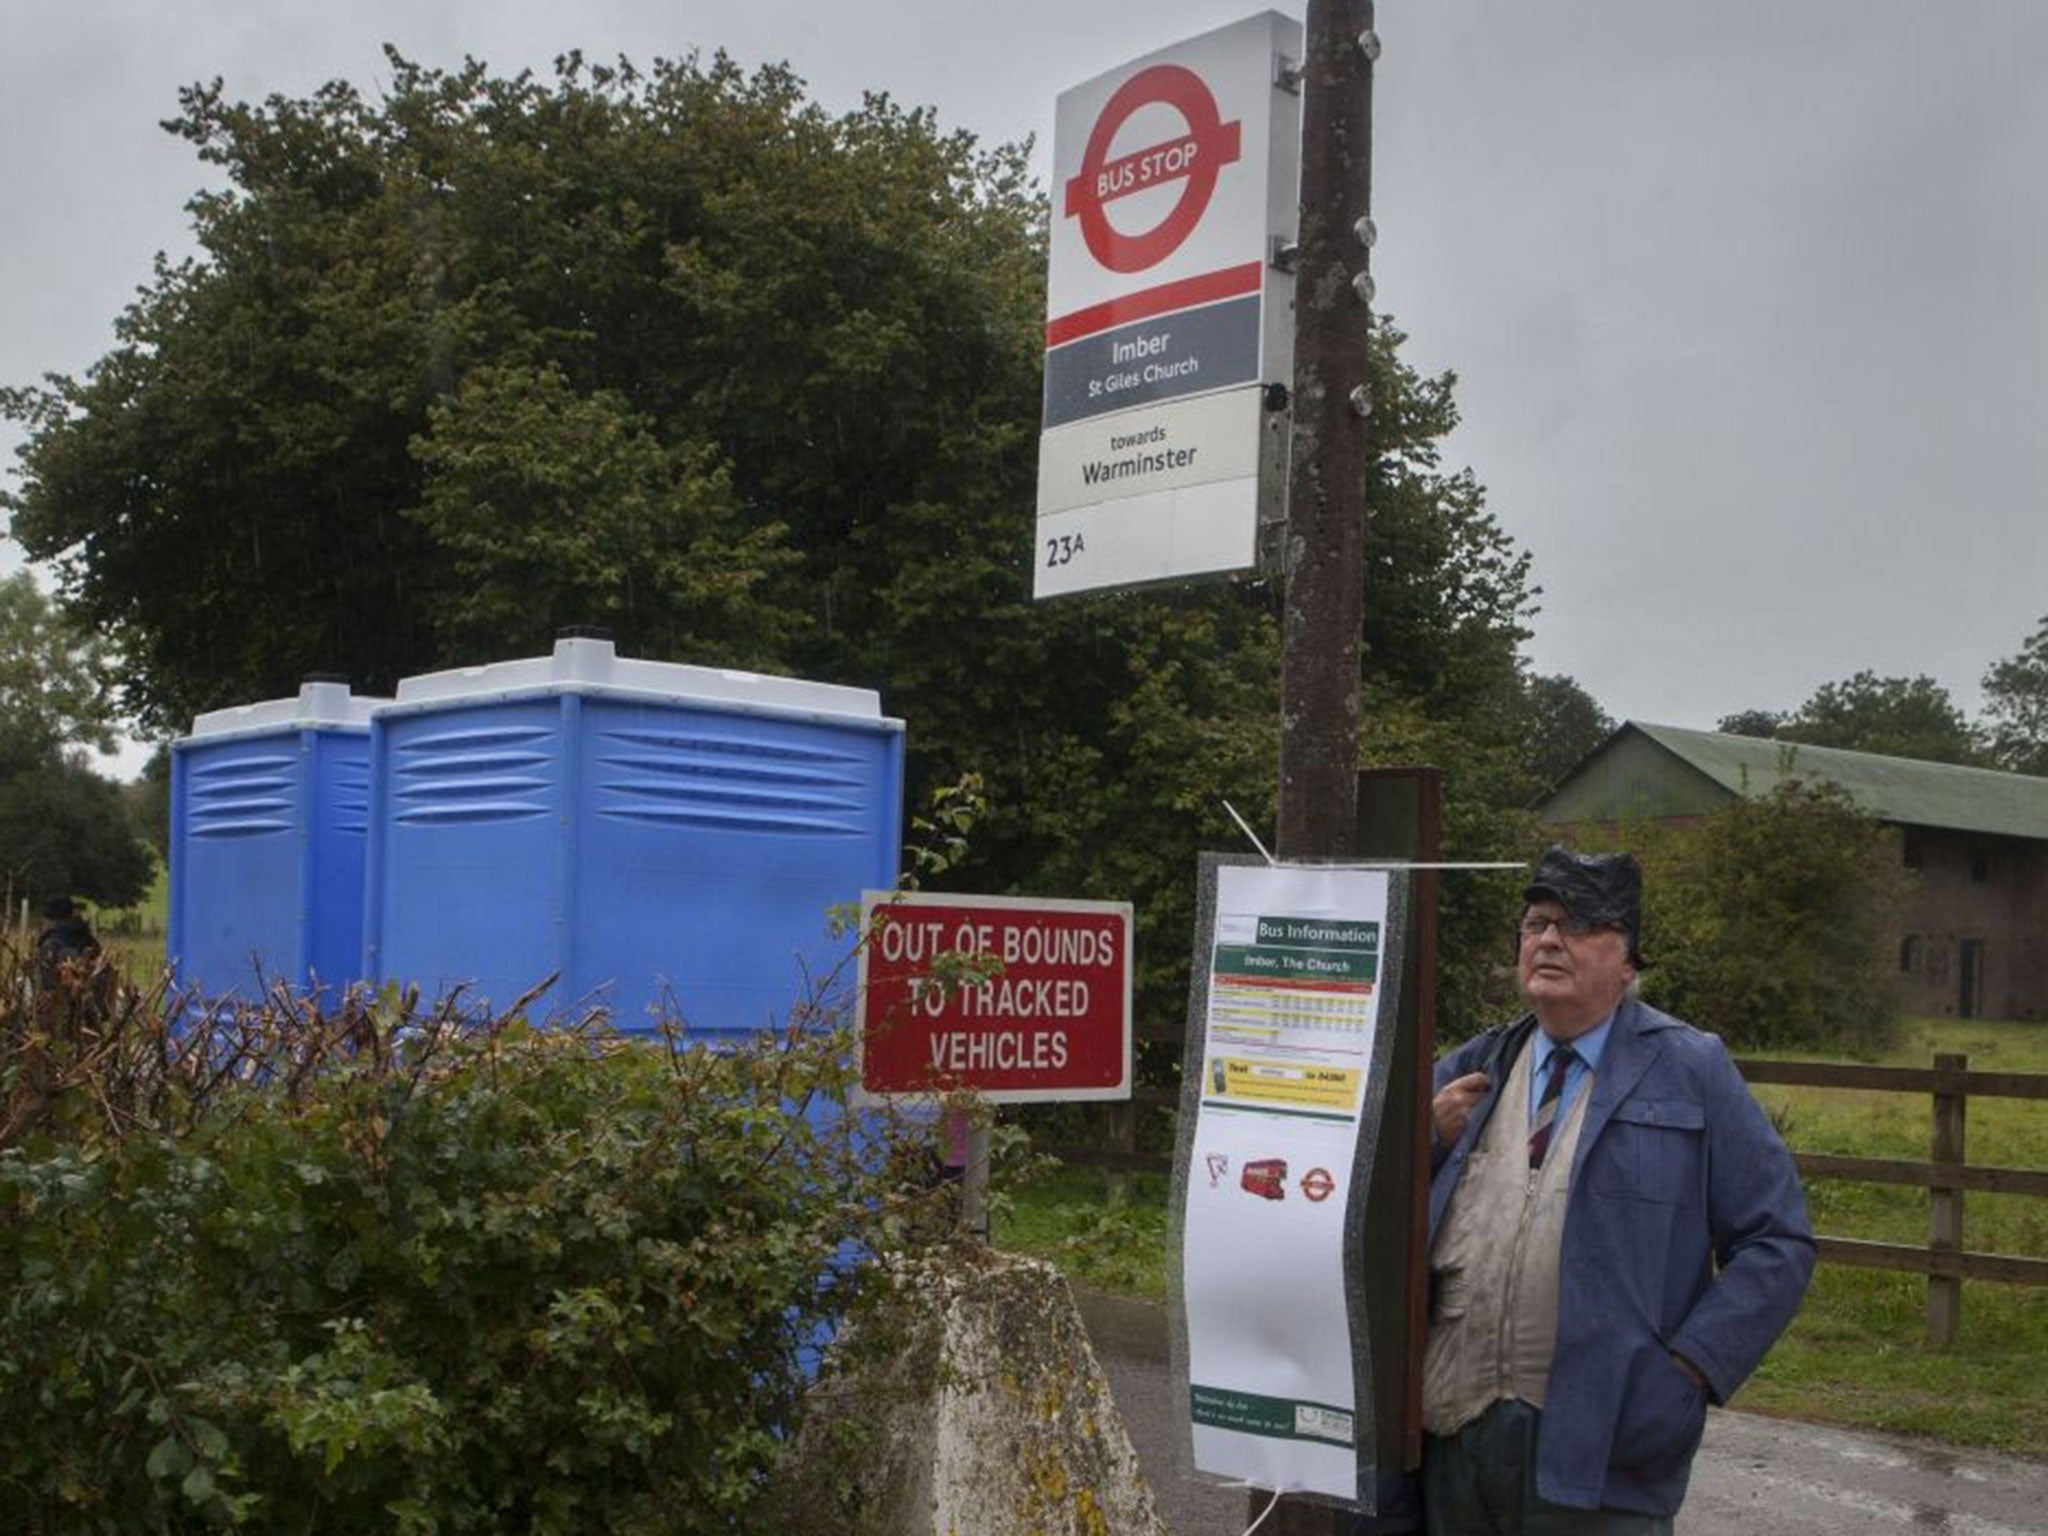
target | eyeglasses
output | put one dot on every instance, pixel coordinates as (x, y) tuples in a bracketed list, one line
[(1568, 926)]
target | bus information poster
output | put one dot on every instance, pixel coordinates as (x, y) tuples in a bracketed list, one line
[(1294, 990)]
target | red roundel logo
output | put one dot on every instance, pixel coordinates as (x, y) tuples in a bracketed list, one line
[(1317, 1184), (1194, 159)]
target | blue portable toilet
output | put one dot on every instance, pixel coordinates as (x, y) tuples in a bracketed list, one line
[(269, 825), (652, 834)]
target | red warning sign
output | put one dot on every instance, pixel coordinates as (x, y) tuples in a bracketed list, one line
[(1194, 159), (1018, 999)]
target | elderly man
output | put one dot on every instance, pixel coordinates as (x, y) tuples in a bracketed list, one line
[(1617, 1236)]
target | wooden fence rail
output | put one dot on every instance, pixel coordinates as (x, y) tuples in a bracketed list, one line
[(1946, 1175)]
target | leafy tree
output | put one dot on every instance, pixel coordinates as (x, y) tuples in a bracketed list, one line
[(63, 828), (148, 800), (717, 308), (1565, 724), (1486, 792), (54, 676), (66, 830), (751, 383), (1763, 724), (546, 502), (1895, 716), (2016, 702)]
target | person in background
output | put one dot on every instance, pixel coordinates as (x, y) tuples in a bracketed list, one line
[(1617, 1236), (66, 937)]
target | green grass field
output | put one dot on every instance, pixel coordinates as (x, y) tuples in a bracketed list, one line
[(1856, 1355), (1067, 1216)]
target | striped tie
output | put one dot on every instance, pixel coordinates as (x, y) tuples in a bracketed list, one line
[(1561, 1061)]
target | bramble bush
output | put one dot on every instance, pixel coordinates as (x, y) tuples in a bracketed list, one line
[(388, 1269)]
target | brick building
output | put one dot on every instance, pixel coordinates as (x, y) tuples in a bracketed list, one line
[(1973, 942)]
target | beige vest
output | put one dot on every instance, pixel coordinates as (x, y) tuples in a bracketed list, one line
[(1493, 1321)]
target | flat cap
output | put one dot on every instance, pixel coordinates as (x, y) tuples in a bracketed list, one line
[(1594, 888)]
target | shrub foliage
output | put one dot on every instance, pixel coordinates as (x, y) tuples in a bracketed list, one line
[(1772, 921), (388, 1270)]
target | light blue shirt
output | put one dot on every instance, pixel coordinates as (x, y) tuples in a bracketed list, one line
[(1589, 1046)]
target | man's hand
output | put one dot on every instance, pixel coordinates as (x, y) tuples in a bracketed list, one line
[(1452, 1106), (1693, 1373)]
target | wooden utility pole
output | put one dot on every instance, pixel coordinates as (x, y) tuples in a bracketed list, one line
[(1324, 552), (1324, 559)]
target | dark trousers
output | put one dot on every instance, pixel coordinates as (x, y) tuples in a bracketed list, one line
[(1481, 1481)]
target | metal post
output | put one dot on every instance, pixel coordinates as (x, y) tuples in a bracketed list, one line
[(1945, 1207), (974, 1181), (1324, 556), (963, 1153)]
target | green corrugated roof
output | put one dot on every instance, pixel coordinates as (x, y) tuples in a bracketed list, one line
[(1897, 789)]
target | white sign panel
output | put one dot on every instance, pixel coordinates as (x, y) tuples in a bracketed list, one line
[(1294, 1010), (1173, 177)]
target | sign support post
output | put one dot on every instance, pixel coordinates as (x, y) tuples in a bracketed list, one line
[(1331, 464), (974, 1182), (1333, 438), (965, 1136)]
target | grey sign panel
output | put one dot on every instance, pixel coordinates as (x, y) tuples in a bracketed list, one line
[(1186, 353)]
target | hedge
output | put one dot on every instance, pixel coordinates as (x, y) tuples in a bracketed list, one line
[(394, 1270)]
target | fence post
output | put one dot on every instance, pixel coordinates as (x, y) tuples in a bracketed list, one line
[(1945, 1206)]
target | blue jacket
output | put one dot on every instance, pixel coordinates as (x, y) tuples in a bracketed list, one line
[(1685, 1230)]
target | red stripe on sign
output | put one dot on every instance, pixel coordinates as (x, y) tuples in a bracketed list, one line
[(1230, 283)]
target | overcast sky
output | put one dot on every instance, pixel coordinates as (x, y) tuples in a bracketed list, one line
[(1748, 301)]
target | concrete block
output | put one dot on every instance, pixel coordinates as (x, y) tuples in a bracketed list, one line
[(967, 1404)]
